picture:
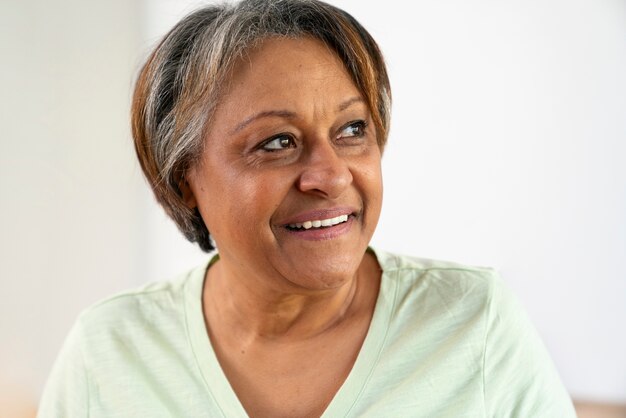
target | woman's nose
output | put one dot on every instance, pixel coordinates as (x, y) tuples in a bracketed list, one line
[(324, 172)]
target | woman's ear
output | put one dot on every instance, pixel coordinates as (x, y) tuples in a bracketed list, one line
[(189, 198)]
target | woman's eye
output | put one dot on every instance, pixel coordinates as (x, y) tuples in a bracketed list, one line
[(278, 143), (355, 129)]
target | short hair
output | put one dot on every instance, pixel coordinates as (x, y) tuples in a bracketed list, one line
[(179, 85)]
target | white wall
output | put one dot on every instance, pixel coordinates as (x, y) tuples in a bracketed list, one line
[(508, 129), (69, 184)]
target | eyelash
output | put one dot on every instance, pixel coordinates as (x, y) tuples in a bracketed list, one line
[(280, 137), (359, 125)]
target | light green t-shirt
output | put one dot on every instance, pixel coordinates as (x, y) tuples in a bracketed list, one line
[(445, 341)]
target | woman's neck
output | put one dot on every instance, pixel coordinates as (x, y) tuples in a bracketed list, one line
[(255, 308)]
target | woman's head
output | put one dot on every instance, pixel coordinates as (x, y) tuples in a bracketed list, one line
[(186, 76)]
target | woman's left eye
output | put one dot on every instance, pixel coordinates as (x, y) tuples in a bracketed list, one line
[(354, 129)]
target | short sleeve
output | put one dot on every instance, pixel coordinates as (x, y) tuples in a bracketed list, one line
[(520, 379), (66, 393)]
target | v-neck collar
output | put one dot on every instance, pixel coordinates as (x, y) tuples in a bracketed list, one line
[(217, 383)]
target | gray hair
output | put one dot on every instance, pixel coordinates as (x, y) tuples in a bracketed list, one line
[(179, 86)]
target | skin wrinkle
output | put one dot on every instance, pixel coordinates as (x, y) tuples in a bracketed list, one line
[(284, 325)]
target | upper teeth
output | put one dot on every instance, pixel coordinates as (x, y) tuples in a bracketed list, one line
[(321, 222)]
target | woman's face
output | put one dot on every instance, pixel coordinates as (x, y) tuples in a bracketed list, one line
[(289, 183)]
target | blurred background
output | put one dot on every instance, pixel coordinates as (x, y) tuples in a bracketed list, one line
[(507, 149)]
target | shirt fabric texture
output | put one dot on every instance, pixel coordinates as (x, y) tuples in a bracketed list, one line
[(445, 340)]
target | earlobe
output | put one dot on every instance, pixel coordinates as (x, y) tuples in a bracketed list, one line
[(189, 198)]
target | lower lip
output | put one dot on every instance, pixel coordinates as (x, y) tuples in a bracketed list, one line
[(320, 234)]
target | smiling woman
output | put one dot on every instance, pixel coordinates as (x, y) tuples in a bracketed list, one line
[(260, 127), (307, 158)]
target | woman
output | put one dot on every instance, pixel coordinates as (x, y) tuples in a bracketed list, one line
[(260, 127)]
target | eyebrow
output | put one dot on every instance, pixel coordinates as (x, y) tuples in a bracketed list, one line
[(344, 105), (288, 114), (264, 114)]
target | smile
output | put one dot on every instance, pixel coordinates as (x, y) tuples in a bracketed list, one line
[(321, 223)]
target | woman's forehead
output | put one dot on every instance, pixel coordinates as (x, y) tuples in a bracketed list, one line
[(275, 58), (287, 75)]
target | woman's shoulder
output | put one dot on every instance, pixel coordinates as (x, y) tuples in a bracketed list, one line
[(441, 289), (416, 271), (116, 345), (462, 328), (142, 305)]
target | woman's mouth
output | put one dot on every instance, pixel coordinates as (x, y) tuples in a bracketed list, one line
[(318, 223)]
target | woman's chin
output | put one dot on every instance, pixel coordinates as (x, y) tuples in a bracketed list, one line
[(322, 272)]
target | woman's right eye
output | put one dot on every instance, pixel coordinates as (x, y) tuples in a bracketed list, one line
[(278, 143)]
